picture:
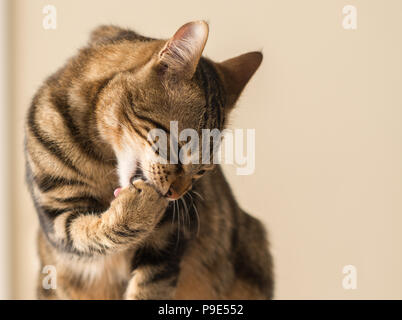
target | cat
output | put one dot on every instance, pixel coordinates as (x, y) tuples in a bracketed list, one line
[(115, 222)]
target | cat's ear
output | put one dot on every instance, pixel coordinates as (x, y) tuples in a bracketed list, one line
[(237, 72), (182, 52)]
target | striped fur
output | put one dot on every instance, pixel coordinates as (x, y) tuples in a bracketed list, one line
[(86, 135)]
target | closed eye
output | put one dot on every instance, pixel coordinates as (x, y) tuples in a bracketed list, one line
[(202, 171), (199, 174)]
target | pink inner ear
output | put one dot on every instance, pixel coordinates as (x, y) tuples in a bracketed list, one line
[(183, 51), (116, 192)]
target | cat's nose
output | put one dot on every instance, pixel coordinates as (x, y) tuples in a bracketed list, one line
[(178, 188), (172, 194)]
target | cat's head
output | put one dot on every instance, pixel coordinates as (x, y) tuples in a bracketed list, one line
[(156, 82)]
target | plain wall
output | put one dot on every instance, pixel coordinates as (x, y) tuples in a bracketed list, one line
[(326, 105), (5, 217)]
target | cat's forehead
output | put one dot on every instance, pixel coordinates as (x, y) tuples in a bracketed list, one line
[(181, 101)]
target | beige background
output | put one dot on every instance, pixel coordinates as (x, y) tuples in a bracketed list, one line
[(327, 109)]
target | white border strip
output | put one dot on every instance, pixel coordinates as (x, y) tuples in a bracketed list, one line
[(5, 214)]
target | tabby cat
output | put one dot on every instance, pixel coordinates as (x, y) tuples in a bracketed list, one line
[(117, 223)]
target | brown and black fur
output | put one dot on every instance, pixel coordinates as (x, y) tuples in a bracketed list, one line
[(137, 246)]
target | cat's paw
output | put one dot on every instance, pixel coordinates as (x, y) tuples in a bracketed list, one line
[(147, 193), (141, 199)]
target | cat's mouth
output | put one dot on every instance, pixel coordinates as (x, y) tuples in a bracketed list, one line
[(138, 175), (173, 192)]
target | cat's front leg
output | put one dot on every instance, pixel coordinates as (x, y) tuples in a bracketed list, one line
[(130, 219), (145, 285), (156, 266)]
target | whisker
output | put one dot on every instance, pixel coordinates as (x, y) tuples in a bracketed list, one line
[(187, 217), (181, 215), (196, 193), (174, 213), (178, 221), (198, 219), (196, 213)]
